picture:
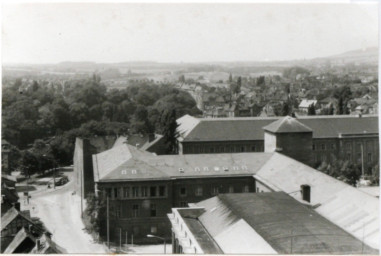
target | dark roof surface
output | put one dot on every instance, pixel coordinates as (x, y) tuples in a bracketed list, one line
[(20, 237), (287, 225), (287, 124), (251, 128), (206, 242)]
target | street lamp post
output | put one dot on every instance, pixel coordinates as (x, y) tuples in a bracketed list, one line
[(162, 238)]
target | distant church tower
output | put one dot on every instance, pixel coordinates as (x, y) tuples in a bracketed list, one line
[(291, 138)]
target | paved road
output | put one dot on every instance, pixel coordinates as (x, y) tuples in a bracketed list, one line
[(60, 212)]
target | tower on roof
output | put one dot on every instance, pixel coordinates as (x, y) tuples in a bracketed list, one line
[(291, 138)]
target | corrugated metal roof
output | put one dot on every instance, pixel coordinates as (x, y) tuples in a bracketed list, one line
[(251, 128), (283, 223), (346, 206)]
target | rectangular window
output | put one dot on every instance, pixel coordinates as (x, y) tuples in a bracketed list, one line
[(183, 191), (322, 146), (108, 192), (253, 148), (211, 150), (161, 190), (115, 193), (231, 189), (126, 192), (144, 191), (245, 189), (153, 210), (135, 191), (135, 211), (118, 211), (313, 146), (242, 149), (332, 146), (199, 191), (153, 230), (215, 191), (370, 157), (152, 191)]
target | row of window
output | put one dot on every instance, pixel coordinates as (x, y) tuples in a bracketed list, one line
[(348, 156), (135, 192), (323, 147), (135, 211), (224, 149), (199, 191)]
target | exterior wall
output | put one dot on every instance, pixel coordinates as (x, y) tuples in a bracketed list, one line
[(296, 145), (322, 148), (222, 147), (347, 149), (183, 240), (83, 167), (123, 217), (325, 150), (352, 148), (270, 142), (208, 187)]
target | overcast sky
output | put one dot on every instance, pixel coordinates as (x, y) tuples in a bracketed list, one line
[(50, 33)]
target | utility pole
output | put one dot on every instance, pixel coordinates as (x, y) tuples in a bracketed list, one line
[(362, 161), (54, 176), (108, 225)]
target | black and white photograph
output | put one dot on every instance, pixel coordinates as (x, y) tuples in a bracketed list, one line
[(190, 127)]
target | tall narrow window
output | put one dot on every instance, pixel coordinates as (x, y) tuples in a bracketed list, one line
[(215, 191), (144, 191), (161, 190), (152, 191), (126, 192), (135, 211), (245, 189), (115, 193), (153, 210), (231, 189), (118, 211), (370, 157), (199, 191), (135, 191), (183, 191)]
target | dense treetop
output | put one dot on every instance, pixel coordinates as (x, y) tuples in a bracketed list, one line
[(55, 115)]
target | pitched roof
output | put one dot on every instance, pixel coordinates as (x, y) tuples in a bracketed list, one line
[(287, 124), (20, 237), (251, 128), (306, 103), (10, 215), (126, 162), (284, 224), (346, 206)]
